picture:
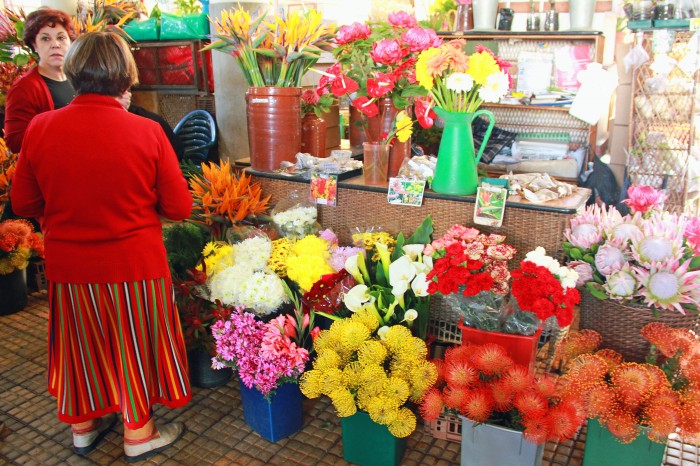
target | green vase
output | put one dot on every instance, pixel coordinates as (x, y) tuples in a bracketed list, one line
[(455, 172), (603, 449)]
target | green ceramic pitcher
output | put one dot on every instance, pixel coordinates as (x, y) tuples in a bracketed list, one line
[(455, 172)]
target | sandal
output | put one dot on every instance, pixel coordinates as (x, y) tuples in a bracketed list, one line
[(162, 438), (85, 442)]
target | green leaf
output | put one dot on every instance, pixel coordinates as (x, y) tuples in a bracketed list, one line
[(596, 290), (695, 263), (589, 258), (423, 233), (398, 249), (576, 254)]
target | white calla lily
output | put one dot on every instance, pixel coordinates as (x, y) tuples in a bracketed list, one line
[(419, 285), (428, 260), (382, 332), (401, 270), (356, 298), (413, 251), (410, 315), (353, 268), (398, 289)]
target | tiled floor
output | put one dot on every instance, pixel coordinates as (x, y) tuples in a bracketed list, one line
[(216, 432)]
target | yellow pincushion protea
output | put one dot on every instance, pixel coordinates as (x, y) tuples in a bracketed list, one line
[(360, 379)]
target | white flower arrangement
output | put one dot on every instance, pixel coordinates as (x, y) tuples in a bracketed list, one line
[(296, 222), (567, 277)]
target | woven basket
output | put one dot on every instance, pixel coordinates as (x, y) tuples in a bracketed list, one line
[(620, 324)]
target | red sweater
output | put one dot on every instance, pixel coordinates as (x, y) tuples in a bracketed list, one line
[(27, 98), (98, 177)]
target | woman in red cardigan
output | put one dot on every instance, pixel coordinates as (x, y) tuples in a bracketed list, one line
[(99, 179), (45, 87)]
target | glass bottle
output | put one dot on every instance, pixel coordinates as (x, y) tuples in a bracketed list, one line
[(533, 18), (465, 17)]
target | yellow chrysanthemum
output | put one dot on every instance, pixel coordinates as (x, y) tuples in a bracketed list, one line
[(354, 334), (311, 383), (424, 77), (332, 380), (278, 259), (308, 261), (343, 401), (397, 389), (352, 373), (220, 256), (404, 424), (373, 377), (372, 352), (368, 318), (382, 410), (481, 66), (210, 248), (327, 359)]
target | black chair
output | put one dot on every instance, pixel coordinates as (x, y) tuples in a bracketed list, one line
[(197, 131)]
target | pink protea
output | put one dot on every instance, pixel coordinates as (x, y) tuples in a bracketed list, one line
[(402, 19), (622, 228), (584, 270), (662, 241), (622, 284), (670, 287), (419, 39), (692, 234), (352, 32), (585, 229), (610, 258), (644, 198)]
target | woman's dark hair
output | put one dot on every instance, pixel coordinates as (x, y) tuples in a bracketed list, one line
[(100, 63), (46, 16)]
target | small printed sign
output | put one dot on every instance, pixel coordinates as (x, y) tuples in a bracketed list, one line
[(490, 205), (324, 188), (406, 192)]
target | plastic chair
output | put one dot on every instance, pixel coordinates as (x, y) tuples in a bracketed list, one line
[(197, 131)]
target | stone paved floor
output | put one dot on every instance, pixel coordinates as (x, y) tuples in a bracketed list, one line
[(216, 434)]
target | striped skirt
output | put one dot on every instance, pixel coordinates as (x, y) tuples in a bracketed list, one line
[(115, 347)]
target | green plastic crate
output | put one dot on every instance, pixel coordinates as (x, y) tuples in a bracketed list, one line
[(370, 444), (603, 449)]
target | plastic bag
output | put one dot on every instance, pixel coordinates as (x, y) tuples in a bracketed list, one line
[(296, 216), (146, 30), (192, 26), (482, 311)]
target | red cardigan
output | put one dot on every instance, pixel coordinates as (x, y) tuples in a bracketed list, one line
[(27, 98), (98, 177)]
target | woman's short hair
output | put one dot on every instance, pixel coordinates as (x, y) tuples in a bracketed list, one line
[(100, 63), (46, 16)]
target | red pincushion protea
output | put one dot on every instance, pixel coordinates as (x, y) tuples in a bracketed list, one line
[(623, 425), (564, 422), (587, 371), (491, 359), (546, 385), (633, 383), (600, 401), (455, 397), (612, 358), (431, 406), (502, 396), (440, 367), (517, 378), (531, 404), (662, 419), (662, 337), (537, 429), (578, 343), (460, 374), (478, 405)]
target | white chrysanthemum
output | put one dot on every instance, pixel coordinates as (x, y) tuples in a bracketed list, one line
[(253, 252), (226, 284), (296, 222), (568, 277), (262, 292), (459, 82), (495, 88)]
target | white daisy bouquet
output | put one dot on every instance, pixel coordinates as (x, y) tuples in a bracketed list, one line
[(458, 82), (296, 216), (238, 275), (648, 257)]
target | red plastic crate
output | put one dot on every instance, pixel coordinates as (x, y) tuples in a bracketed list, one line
[(521, 348)]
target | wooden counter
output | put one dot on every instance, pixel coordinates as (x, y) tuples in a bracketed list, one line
[(526, 225)]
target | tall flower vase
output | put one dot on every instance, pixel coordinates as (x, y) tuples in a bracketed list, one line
[(275, 419), (455, 172), (381, 125), (313, 135), (201, 373), (485, 14), (581, 14), (13, 292), (370, 444), (274, 126), (603, 449)]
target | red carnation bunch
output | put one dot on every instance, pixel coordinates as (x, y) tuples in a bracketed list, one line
[(467, 261), (482, 383), (544, 287)]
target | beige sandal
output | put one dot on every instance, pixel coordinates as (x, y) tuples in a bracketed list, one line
[(85, 442), (161, 438)]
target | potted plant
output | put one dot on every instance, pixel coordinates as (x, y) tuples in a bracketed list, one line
[(634, 407), (273, 55), (371, 376), (18, 244), (507, 412), (268, 357), (635, 269)]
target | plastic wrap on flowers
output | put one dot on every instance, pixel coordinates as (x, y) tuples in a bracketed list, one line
[(296, 216), (492, 312)]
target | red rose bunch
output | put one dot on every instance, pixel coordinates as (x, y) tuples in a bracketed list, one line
[(538, 289), (467, 261), (482, 383)]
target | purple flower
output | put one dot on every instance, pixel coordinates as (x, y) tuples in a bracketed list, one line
[(419, 39)]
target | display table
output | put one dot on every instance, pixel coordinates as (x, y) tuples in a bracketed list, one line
[(526, 225)]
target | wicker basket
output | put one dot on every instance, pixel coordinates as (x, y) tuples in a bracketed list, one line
[(620, 324)]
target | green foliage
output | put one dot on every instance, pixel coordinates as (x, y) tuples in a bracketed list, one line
[(187, 7), (184, 242)]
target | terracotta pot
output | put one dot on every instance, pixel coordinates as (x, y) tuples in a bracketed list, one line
[(313, 135), (274, 126), (355, 128)]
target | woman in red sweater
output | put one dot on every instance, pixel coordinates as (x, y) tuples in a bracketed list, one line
[(48, 33), (99, 179)]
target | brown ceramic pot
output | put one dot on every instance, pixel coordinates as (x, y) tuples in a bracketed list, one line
[(274, 126), (313, 135)]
